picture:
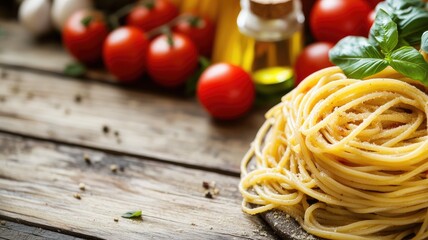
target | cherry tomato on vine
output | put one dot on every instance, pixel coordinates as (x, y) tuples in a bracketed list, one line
[(200, 29), (125, 51), (172, 58), (226, 91), (332, 20), (313, 58), (151, 14), (84, 34)]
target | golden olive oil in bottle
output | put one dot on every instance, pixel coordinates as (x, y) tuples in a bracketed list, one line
[(265, 41)]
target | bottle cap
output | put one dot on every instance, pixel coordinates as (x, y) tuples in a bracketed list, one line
[(271, 9)]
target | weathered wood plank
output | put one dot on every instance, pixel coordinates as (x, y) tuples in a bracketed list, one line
[(13, 231), (149, 124), (38, 180)]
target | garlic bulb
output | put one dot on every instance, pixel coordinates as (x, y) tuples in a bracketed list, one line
[(63, 9), (34, 16)]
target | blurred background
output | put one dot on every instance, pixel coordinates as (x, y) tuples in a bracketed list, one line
[(276, 43)]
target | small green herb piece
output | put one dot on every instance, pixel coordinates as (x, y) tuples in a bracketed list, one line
[(357, 58), (409, 62), (86, 21), (424, 42), (192, 82), (75, 70), (132, 214), (384, 31)]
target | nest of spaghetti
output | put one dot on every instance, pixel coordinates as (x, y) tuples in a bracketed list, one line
[(347, 158)]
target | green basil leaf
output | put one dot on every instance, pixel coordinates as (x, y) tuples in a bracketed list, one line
[(357, 57), (402, 43), (132, 214), (75, 69), (403, 4), (424, 42), (412, 23), (384, 31), (409, 62)]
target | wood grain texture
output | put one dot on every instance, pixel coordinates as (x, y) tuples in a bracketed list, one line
[(12, 231), (158, 126), (38, 180)]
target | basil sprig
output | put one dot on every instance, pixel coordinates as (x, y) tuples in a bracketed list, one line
[(389, 43), (410, 16)]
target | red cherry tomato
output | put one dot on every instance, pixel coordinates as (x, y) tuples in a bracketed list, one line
[(332, 20), (371, 18), (125, 51), (373, 3), (84, 34), (152, 14), (170, 62), (226, 91), (313, 58), (200, 29)]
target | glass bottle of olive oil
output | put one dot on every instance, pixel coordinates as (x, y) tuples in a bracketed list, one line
[(265, 41)]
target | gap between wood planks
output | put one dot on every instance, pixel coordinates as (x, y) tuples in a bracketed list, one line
[(12, 229)]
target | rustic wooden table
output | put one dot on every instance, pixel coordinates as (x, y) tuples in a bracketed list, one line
[(164, 145)]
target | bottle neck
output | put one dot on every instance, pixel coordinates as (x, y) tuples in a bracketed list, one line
[(270, 30)]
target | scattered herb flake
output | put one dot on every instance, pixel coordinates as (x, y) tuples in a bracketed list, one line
[(106, 129), (113, 168), (205, 185), (87, 159), (208, 194), (75, 70), (82, 186), (78, 98), (132, 214), (77, 196)]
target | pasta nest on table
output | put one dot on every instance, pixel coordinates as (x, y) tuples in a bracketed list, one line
[(347, 158)]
